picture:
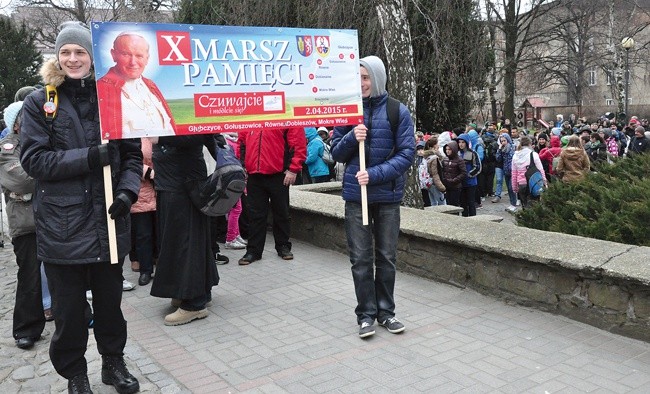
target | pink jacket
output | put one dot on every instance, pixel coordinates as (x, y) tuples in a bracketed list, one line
[(520, 163), (147, 194)]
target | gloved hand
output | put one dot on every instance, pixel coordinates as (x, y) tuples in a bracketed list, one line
[(98, 156), (121, 205)]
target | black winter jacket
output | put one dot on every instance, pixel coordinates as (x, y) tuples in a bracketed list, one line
[(69, 202)]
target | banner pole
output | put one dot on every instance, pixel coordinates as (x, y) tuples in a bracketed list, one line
[(110, 223), (364, 192)]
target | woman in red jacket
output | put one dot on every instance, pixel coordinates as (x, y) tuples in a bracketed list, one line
[(547, 155)]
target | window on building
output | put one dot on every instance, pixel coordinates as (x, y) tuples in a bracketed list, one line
[(609, 102), (592, 76), (610, 77)]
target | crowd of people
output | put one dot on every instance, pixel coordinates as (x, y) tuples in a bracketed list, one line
[(468, 166), (52, 163)]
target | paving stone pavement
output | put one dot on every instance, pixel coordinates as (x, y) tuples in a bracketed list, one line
[(288, 326)]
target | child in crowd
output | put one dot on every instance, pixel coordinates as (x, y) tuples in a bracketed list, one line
[(234, 239), (434, 159)]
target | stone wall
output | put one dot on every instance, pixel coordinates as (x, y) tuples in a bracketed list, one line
[(601, 283)]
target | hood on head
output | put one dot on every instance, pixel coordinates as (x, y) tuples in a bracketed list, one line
[(507, 137), (556, 130), (454, 149), (377, 72), (444, 138), (555, 141), (420, 144), (474, 138), (467, 140), (322, 131), (310, 133)]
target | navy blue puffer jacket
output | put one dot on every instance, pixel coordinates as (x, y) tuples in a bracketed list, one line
[(388, 155)]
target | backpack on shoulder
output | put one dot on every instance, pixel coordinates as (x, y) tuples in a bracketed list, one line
[(423, 174), (327, 154), (534, 178), (491, 147), (219, 192), (556, 161)]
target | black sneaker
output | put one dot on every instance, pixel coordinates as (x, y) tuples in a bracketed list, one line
[(285, 253), (366, 329), (220, 259), (393, 325)]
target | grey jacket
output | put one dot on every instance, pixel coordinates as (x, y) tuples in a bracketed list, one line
[(18, 188)]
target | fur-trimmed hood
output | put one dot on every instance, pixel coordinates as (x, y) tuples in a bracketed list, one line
[(53, 75)]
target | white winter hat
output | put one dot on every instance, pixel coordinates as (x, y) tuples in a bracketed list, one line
[(11, 114)]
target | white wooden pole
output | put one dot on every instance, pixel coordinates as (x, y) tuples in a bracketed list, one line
[(108, 195), (364, 191)]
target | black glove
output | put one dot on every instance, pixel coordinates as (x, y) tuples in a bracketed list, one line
[(98, 156), (121, 206)]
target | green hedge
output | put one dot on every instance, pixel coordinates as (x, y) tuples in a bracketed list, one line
[(612, 204)]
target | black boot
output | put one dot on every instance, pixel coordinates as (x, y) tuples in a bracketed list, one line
[(114, 372), (79, 385)]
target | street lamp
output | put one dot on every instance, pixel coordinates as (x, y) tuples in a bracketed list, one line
[(627, 43)]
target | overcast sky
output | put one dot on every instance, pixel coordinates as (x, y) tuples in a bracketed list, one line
[(4, 7)]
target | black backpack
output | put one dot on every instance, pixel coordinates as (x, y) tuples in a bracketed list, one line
[(219, 192), (491, 147)]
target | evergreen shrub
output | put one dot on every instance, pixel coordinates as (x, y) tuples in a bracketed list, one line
[(611, 204)]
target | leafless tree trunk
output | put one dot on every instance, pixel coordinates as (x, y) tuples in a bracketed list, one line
[(399, 58), (515, 22)]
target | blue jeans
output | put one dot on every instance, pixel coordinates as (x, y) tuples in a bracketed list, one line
[(501, 176), (436, 196), (498, 174), (373, 285)]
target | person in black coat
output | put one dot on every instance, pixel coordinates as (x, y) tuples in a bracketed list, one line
[(639, 143), (61, 150), (186, 270)]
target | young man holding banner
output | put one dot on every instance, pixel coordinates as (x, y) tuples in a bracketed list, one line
[(389, 154), (62, 152)]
